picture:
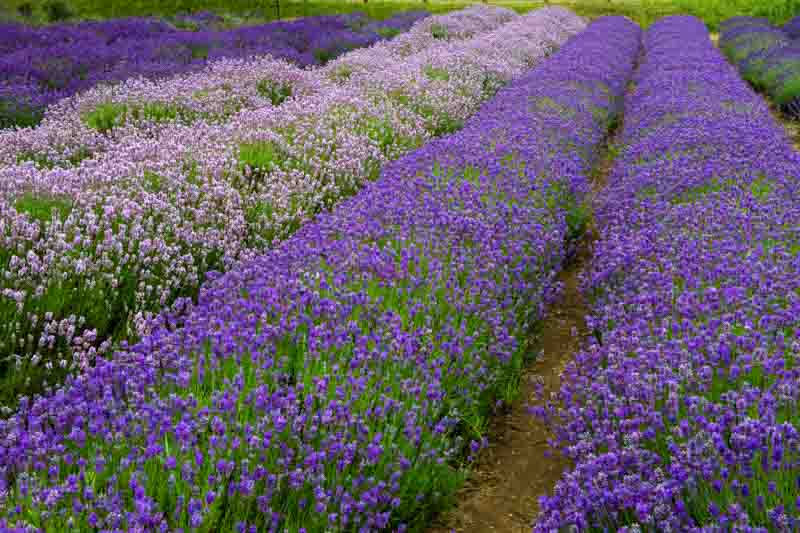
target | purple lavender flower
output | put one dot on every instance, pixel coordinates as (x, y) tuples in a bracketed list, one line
[(40, 66), (399, 313), (682, 415)]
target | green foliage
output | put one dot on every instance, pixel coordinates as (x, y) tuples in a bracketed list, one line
[(15, 114), (578, 215), (547, 103), (713, 12), (438, 31), (25, 10), (388, 33), (57, 10), (774, 76), (276, 92), (761, 188), (43, 208), (341, 73), (106, 116), (199, 51), (239, 12), (186, 25), (43, 161), (436, 73), (257, 159), (158, 112), (323, 55), (152, 182), (694, 194), (788, 91), (380, 131)]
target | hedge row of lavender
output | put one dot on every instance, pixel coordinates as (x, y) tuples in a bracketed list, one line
[(767, 57), (91, 253), (683, 415), (41, 66), (95, 120), (792, 27), (335, 383)]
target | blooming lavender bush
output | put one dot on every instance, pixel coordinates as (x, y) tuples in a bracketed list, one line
[(767, 58), (792, 27), (42, 66), (96, 250), (93, 121), (682, 414), (332, 384), (748, 41)]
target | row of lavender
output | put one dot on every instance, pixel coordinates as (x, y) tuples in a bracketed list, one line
[(91, 252), (683, 415), (40, 66), (334, 383), (95, 120), (767, 56)]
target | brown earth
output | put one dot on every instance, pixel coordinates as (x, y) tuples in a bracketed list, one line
[(791, 126)]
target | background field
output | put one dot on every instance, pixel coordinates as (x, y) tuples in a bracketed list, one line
[(239, 11)]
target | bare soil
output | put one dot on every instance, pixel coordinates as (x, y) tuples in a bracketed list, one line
[(791, 126)]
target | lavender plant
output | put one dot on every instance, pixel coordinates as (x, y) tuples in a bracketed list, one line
[(69, 131), (792, 27), (333, 383), (147, 220), (40, 67), (768, 58), (682, 414)]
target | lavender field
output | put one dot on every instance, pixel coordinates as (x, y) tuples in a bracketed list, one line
[(291, 277), (40, 66)]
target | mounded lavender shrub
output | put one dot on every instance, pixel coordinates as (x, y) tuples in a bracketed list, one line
[(747, 42), (39, 67), (682, 414), (781, 78), (333, 383), (768, 58), (792, 27)]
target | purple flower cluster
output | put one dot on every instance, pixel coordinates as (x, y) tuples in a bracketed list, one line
[(97, 119), (767, 57), (682, 414), (40, 66), (92, 252), (331, 384), (792, 27)]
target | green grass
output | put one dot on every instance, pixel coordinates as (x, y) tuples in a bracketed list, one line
[(251, 11), (276, 92), (43, 209), (13, 114), (108, 115)]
